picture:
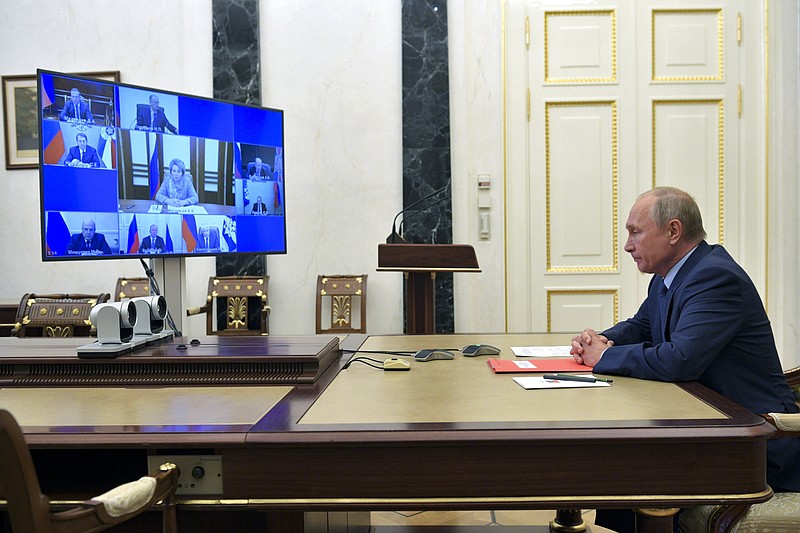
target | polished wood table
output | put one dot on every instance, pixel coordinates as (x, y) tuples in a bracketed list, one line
[(446, 435)]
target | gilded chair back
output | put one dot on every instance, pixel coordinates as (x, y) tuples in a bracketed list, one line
[(341, 304), (131, 288), (242, 305), (56, 315)]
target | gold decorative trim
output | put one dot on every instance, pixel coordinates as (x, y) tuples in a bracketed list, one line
[(587, 292), (720, 153), (720, 45), (688, 499), (609, 79), (614, 267)]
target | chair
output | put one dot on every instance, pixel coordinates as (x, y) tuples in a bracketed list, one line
[(56, 315), (131, 288), (29, 509), (780, 514), (336, 293), (242, 305)]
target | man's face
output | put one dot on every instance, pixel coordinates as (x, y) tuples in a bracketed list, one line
[(204, 231), (258, 163), (81, 142), (154, 103), (153, 231), (75, 95), (648, 245), (87, 230)]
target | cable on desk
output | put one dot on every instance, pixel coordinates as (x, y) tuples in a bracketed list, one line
[(366, 360)]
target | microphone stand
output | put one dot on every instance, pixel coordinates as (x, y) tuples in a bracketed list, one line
[(395, 237), (417, 212), (154, 285)]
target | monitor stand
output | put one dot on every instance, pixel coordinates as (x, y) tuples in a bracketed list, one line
[(170, 274)]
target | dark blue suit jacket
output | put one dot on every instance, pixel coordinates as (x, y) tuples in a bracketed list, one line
[(147, 244), (84, 112), (77, 244), (160, 122), (718, 334), (90, 155)]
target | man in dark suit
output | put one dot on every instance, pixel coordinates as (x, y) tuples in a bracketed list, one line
[(703, 320), (152, 243), (258, 169), (88, 242), (259, 208), (76, 108), (153, 117), (82, 155), (208, 241)]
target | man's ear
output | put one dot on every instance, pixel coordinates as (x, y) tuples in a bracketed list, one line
[(675, 230)]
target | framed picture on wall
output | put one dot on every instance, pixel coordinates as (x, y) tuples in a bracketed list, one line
[(20, 119)]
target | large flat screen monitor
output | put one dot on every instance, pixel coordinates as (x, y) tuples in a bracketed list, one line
[(126, 171)]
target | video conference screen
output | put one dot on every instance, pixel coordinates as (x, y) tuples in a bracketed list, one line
[(127, 171)]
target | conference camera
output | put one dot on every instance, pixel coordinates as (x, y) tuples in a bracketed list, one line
[(151, 312), (114, 321)]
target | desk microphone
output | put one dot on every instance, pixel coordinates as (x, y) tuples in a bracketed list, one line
[(395, 237)]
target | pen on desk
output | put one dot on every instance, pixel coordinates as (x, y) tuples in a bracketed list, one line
[(570, 377)]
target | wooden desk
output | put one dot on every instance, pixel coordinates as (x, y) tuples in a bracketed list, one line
[(444, 435)]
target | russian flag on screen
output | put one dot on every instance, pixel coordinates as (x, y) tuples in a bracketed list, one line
[(53, 142), (168, 247), (189, 232), (133, 237), (237, 161), (106, 147), (246, 193), (48, 91), (58, 235), (277, 193), (155, 165)]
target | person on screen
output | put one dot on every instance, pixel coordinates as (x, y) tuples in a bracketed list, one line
[(76, 108), (259, 208), (153, 117), (152, 243), (208, 240), (177, 189), (83, 155), (88, 242), (703, 320), (258, 169)]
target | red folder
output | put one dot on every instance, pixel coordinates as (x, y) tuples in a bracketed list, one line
[(502, 366)]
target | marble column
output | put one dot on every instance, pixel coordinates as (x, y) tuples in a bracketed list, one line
[(237, 77), (426, 137)]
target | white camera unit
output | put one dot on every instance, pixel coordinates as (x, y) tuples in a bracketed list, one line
[(114, 321), (151, 313)]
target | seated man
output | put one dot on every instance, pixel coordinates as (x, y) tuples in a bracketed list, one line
[(87, 242), (152, 117), (258, 169), (76, 108), (152, 244), (703, 320), (83, 155), (259, 208), (207, 240)]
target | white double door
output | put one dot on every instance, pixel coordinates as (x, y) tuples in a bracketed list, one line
[(606, 100)]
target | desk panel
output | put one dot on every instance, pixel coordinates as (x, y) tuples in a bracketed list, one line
[(465, 390)]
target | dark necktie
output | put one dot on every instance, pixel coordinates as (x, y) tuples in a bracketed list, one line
[(77, 110), (82, 156), (88, 245), (662, 302)]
